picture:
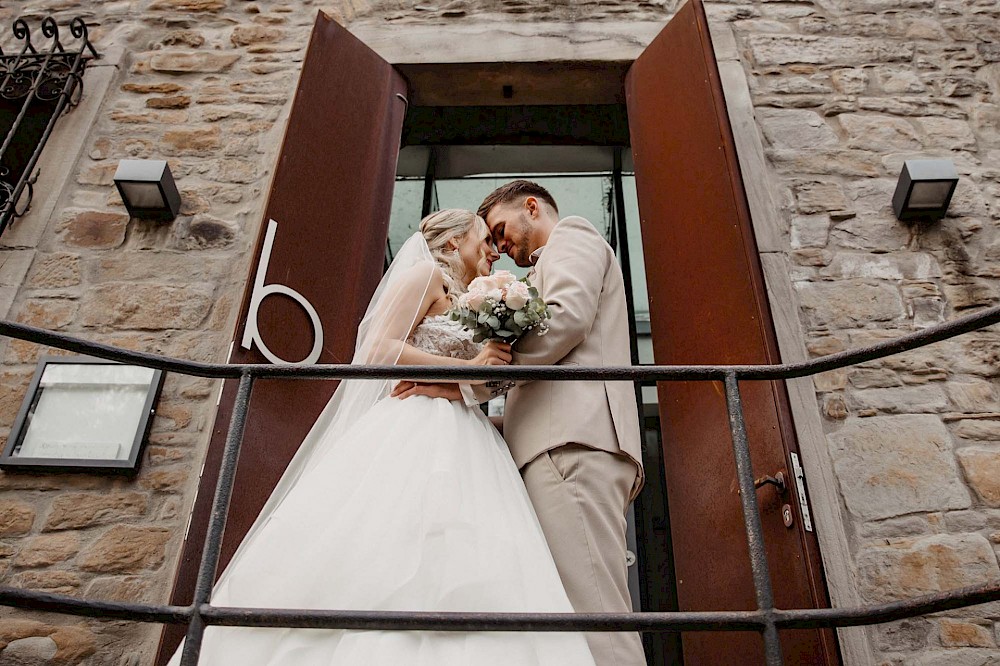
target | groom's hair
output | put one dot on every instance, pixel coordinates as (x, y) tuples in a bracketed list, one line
[(513, 191)]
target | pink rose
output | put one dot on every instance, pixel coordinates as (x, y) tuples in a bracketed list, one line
[(517, 295), (501, 279), (482, 284), (473, 299)]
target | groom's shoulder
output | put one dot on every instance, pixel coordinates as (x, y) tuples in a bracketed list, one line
[(575, 224)]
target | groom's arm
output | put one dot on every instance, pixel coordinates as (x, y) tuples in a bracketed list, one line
[(575, 266), (576, 260)]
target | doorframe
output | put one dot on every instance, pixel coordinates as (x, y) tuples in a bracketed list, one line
[(622, 42)]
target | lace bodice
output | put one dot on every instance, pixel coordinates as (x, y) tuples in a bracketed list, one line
[(441, 336)]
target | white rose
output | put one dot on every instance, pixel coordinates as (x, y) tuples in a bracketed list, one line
[(495, 295), (517, 295), (481, 284)]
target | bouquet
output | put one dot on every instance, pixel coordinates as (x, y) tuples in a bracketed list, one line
[(500, 307)]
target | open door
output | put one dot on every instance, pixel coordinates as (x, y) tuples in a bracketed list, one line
[(330, 199), (708, 305)]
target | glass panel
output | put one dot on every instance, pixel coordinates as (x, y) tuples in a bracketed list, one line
[(86, 411), (929, 195), (143, 195)]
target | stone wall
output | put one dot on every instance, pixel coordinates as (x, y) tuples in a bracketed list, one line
[(203, 84), (844, 90)]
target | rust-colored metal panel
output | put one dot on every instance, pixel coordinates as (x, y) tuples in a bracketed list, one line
[(331, 197), (708, 305)]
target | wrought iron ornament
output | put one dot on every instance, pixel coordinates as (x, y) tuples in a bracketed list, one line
[(44, 83)]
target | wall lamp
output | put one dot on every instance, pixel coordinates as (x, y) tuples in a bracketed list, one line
[(148, 190), (924, 189)]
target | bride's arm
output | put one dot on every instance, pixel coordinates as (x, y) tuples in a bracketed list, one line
[(405, 307)]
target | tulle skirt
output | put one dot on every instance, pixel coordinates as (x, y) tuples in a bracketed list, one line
[(418, 507)]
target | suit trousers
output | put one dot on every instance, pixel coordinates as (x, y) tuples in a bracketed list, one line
[(581, 496)]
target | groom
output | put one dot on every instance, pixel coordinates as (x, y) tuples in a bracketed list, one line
[(575, 442)]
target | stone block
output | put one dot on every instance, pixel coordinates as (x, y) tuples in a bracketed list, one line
[(50, 313), (810, 231), (169, 102), (245, 35), (953, 657), (55, 271), (788, 49), (75, 644), (948, 133), (911, 567), (849, 303), (47, 580), (983, 430), (15, 517), (47, 549), (232, 170), (956, 633), (899, 81), (76, 510), (893, 465), (871, 232), (189, 5), (170, 480), (147, 306), (161, 88), (820, 197), (973, 396), (908, 634), (126, 549), (979, 354), (982, 469), (205, 233), (878, 133), (904, 400), (908, 266), (183, 62), (796, 129), (119, 588), (866, 378), (93, 229), (199, 141), (33, 651)]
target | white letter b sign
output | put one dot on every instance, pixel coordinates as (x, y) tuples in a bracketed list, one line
[(261, 291)]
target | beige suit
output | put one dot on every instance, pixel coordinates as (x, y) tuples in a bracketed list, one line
[(577, 442)]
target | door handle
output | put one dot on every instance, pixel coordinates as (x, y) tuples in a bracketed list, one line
[(778, 481)]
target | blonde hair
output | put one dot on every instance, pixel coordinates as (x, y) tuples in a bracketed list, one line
[(438, 229)]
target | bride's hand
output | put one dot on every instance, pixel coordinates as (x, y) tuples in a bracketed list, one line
[(493, 353)]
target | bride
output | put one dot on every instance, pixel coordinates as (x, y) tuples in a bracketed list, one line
[(406, 505)]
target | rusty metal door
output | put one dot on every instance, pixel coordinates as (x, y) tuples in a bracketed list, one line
[(708, 305), (330, 197)]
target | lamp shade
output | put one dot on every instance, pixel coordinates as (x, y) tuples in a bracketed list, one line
[(924, 189), (147, 188)]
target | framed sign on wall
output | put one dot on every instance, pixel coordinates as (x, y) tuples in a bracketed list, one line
[(83, 414)]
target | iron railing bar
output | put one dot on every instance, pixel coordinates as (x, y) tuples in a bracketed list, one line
[(9, 138), (638, 621), (889, 611), (751, 519), (217, 521), (981, 319), (105, 610), (435, 621)]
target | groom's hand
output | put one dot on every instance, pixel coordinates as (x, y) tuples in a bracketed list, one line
[(405, 389)]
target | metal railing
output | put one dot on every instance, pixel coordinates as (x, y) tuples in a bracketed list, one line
[(766, 619)]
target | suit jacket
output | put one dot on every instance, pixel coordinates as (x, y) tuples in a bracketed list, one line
[(579, 278)]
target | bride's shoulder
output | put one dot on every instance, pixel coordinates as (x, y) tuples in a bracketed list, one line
[(423, 273)]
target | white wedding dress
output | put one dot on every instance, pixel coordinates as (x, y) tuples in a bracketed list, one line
[(418, 506)]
